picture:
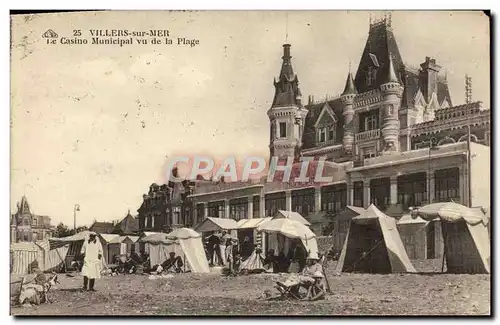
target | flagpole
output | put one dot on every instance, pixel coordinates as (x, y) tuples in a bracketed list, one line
[(469, 178), (468, 100)]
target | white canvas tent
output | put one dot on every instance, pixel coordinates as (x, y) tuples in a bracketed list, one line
[(183, 242), (288, 228), (465, 234), (373, 245), (75, 244), (25, 254), (192, 248)]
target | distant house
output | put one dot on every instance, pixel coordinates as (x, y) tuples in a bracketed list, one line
[(127, 226), (25, 226), (102, 227)]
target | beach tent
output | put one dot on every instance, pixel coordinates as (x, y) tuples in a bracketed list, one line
[(216, 224), (248, 227), (182, 242), (373, 245), (23, 254), (465, 234), (291, 229), (53, 259), (75, 243), (158, 247), (191, 244)]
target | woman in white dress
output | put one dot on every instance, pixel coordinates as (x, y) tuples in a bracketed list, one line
[(92, 263)]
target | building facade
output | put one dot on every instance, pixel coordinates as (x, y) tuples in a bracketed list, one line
[(25, 226), (392, 137), (166, 207), (378, 133)]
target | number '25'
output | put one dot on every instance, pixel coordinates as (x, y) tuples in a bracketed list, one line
[(77, 32)]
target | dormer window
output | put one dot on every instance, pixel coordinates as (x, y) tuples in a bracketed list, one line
[(326, 134), (370, 76)]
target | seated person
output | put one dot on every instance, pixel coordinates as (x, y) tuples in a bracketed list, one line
[(282, 263), (312, 271), (121, 261), (270, 261), (173, 263)]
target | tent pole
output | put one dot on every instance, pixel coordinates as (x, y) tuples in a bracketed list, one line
[(328, 289), (444, 247), (368, 253)]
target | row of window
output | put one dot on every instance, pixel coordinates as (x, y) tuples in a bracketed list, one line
[(27, 236), (411, 189)]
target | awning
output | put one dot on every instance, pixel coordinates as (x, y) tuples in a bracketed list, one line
[(450, 212), (252, 223), (108, 238), (216, 224), (183, 233), (292, 216), (408, 219), (157, 238)]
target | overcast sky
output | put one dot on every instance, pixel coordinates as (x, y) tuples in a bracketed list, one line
[(94, 124)]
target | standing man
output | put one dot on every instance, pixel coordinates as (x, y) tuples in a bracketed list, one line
[(92, 252)]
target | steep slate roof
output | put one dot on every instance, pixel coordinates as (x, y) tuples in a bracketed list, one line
[(23, 207), (128, 225), (309, 135), (102, 227), (287, 90), (380, 43)]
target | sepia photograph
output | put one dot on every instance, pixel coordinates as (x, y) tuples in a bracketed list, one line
[(250, 163)]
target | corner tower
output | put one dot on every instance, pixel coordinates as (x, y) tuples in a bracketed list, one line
[(287, 114), (347, 100), (391, 91)]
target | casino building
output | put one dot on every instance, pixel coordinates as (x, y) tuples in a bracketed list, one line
[(393, 135)]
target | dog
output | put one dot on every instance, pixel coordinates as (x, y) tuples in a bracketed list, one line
[(34, 293)]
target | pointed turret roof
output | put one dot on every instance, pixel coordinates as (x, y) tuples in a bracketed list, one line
[(350, 88), (391, 75), (286, 66), (287, 91), (23, 206)]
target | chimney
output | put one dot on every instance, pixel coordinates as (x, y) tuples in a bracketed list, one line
[(429, 77)]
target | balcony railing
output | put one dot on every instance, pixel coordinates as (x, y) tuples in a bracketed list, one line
[(368, 135)]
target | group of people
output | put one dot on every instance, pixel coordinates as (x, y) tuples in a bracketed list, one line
[(90, 263), (235, 253), (224, 250)]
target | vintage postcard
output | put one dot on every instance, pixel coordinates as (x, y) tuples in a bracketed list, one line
[(230, 163)]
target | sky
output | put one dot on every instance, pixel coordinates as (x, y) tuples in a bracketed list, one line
[(95, 124)]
